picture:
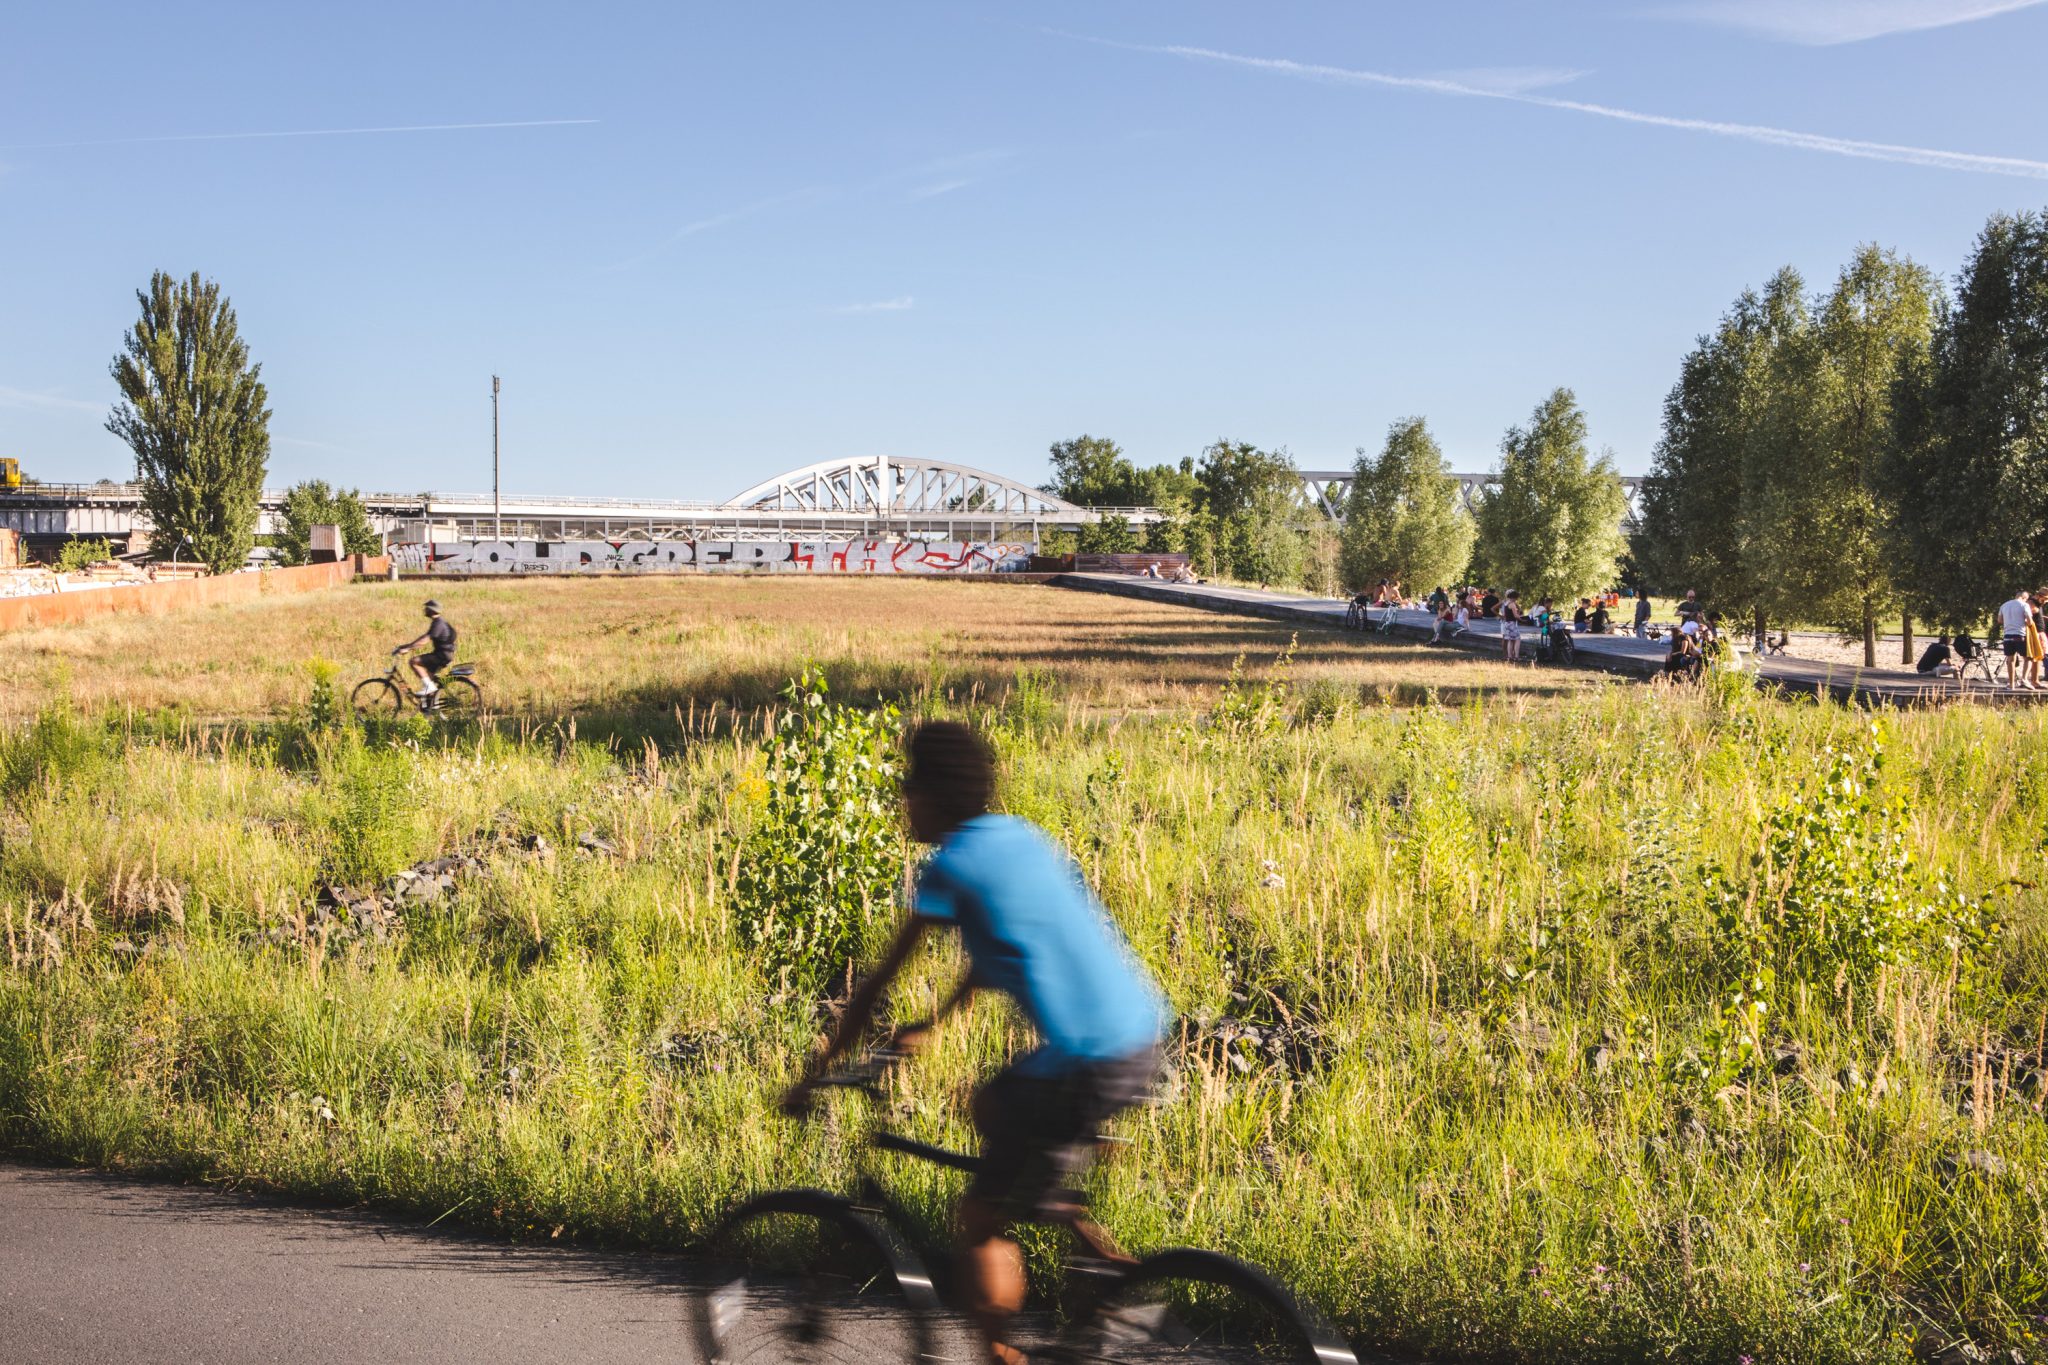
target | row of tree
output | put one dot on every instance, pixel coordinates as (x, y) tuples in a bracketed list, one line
[(193, 410), (1549, 524), (1876, 449)]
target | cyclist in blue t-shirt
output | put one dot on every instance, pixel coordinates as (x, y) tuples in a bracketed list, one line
[(1033, 932)]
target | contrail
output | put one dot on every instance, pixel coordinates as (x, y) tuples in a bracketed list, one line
[(1750, 132), (301, 132)]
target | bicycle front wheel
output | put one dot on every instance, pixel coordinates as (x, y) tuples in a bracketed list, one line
[(377, 697), (1183, 1305), (802, 1276)]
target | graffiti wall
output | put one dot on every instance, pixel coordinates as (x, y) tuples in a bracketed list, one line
[(648, 556)]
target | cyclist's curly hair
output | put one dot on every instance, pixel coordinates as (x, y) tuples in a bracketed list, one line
[(952, 767)]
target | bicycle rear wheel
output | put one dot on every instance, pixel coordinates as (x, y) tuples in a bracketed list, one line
[(1183, 1305), (459, 699), (377, 697), (801, 1276)]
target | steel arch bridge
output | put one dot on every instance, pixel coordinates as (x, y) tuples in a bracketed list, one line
[(912, 490), (871, 498)]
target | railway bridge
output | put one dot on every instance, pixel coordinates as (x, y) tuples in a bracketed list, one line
[(874, 498)]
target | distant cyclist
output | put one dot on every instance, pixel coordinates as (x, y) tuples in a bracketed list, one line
[(1033, 932), (440, 641)]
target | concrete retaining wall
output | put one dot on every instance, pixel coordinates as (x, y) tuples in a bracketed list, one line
[(158, 599)]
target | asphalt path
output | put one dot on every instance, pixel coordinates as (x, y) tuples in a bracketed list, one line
[(96, 1268)]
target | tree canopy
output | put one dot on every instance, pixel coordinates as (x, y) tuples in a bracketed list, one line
[(313, 503), (192, 409), (1967, 508), (1819, 548), (1551, 524), (1402, 518)]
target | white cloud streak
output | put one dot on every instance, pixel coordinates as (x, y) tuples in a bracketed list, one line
[(898, 305), (303, 132), (1509, 80), (1824, 23), (1748, 132), (48, 402), (943, 187)]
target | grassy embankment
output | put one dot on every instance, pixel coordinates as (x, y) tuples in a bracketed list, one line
[(1458, 1054)]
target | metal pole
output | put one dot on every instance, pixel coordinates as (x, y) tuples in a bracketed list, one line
[(497, 511)]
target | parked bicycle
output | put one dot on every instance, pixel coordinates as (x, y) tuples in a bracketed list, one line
[(459, 697), (805, 1275)]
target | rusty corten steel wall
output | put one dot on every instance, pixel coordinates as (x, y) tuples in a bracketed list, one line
[(157, 599)]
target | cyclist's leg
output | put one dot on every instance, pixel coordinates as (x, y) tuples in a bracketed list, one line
[(428, 666), (1007, 1111)]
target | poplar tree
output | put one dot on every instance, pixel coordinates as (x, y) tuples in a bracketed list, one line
[(192, 409), (1402, 519), (1698, 528), (1967, 506), (1551, 524), (1822, 544)]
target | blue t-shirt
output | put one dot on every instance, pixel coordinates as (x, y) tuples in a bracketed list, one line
[(1033, 932)]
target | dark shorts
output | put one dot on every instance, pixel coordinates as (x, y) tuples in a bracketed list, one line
[(2015, 646), (434, 661), (1041, 1132)]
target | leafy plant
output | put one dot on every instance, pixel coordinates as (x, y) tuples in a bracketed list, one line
[(1033, 704), (1248, 710), (80, 554), (372, 817), (1323, 702), (325, 709), (1833, 896), (818, 870)]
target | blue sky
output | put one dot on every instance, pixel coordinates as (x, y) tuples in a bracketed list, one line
[(732, 239)]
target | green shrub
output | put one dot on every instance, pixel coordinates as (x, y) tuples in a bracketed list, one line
[(59, 744), (1033, 704), (1833, 895), (1247, 709), (1323, 701), (818, 872), (372, 817), (79, 554)]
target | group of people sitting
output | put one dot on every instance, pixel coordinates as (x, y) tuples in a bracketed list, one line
[(1698, 641), (1179, 573)]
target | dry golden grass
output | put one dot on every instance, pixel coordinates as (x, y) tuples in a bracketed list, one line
[(553, 648)]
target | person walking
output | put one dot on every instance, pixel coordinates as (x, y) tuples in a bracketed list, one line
[(2015, 617), (1642, 611), (2037, 634), (1511, 626)]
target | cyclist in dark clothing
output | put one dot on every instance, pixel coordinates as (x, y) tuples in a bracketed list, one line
[(439, 638)]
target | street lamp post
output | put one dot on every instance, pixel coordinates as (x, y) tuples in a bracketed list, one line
[(497, 511)]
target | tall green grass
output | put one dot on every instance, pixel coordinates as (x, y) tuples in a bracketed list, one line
[(1469, 1042)]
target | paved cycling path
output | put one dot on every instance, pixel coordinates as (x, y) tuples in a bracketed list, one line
[(95, 1268), (1624, 654)]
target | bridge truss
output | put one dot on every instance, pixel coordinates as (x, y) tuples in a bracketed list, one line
[(873, 498)]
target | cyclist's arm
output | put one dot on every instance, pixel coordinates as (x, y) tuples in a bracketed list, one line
[(911, 1037), (861, 1008), (410, 644)]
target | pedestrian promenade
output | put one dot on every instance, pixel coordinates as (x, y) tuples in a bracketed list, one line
[(1622, 654)]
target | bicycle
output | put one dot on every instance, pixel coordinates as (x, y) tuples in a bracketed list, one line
[(458, 698), (862, 1295)]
